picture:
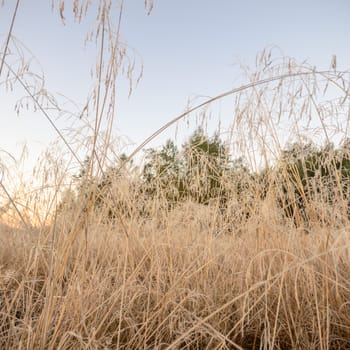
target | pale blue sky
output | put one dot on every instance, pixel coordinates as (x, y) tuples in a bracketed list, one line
[(188, 47)]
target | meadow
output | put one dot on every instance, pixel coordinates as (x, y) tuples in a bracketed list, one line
[(185, 278), (234, 241)]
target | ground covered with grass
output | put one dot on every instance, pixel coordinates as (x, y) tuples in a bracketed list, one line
[(235, 241), (173, 284)]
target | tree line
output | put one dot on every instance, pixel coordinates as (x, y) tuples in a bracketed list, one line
[(203, 171)]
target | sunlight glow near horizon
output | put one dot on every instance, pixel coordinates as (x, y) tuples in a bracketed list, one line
[(189, 48)]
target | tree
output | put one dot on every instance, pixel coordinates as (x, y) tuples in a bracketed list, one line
[(105, 193), (195, 172), (163, 173), (311, 174), (206, 160)]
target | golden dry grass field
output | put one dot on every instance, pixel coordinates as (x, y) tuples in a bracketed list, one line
[(172, 284), (233, 242)]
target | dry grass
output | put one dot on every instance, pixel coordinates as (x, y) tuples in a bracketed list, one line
[(195, 276), (172, 284)]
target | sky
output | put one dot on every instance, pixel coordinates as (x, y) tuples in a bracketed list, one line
[(189, 49)]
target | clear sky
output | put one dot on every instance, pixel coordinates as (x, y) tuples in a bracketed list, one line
[(188, 48)]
